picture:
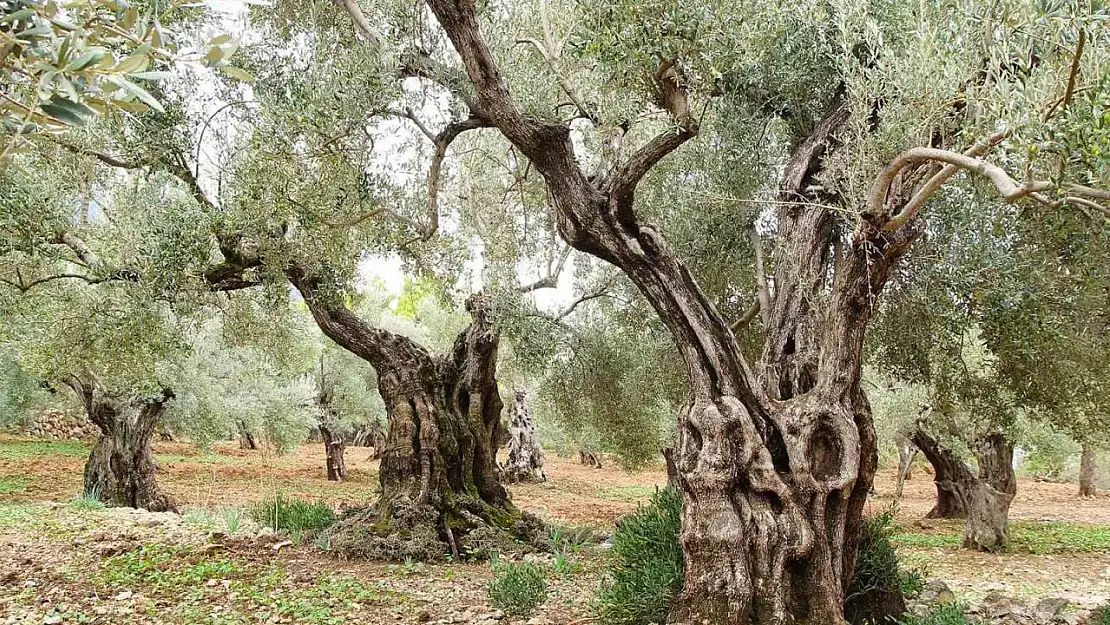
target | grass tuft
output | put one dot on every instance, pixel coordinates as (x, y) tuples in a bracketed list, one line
[(517, 588), (296, 516), (22, 450), (10, 485), (87, 500)]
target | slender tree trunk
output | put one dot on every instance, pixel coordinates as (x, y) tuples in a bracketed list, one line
[(988, 502), (120, 469), (907, 452), (1087, 471), (589, 458), (952, 476), (438, 472), (525, 462), (246, 437), (672, 468), (333, 449)]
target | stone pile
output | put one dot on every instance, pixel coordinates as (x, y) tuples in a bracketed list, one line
[(1000, 609), (62, 425)]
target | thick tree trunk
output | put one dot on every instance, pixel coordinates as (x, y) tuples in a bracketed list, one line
[(525, 462), (247, 439), (438, 474), (372, 436), (907, 452), (333, 450), (120, 470), (989, 498), (952, 476), (1087, 471)]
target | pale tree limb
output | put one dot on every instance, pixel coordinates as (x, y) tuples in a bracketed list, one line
[(601, 291), (551, 54), (747, 317), (764, 296), (551, 280)]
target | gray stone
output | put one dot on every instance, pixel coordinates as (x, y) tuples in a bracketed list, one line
[(936, 591), (1050, 607)]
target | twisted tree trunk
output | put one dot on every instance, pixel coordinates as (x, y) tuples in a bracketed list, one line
[(438, 472), (525, 462), (120, 470), (990, 495), (333, 452), (952, 476), (1087, 471)]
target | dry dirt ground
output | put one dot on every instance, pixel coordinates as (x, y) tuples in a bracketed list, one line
[(62, 564)]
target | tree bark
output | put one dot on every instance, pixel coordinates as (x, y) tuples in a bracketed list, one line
[(120, 470), (590, 459), (246, 437), (988, 502), (1087, 471), (525, 462), (333, 450), (438, 472), (907, 452), (672, 468), (952, 476)]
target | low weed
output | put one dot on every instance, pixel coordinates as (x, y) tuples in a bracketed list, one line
[(517, 588), (200, 517), (293, 515), (1101, 615), (954, 613)]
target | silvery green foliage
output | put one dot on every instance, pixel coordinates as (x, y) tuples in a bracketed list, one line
[(222, 386), (20, 393)]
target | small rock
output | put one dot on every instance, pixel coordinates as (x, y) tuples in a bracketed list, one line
[(936, 591), (1050, 607), (52, 619), (538, 620), (123, 595)]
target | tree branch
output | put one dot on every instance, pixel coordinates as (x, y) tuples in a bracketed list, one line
[(764, 296), (747, 317), (551, 280)]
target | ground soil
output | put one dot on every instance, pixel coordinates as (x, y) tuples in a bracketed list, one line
[(54, 558)]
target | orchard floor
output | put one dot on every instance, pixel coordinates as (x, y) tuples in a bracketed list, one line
[(62, 564)]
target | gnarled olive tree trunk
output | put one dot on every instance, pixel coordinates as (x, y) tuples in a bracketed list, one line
[(1087, 471), (438, 471), (120, 469), (334, 448), (774, 470), (525, 461), (951, 475), (907, 452), (990, 495), (247, 439)]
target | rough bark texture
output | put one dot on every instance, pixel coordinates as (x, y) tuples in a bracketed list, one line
[(371, 436), (989, 498), (952, 476), (120, 469), (1087, 471), (438, 474), (525, 462), (774, 471), (333, 451), (247, 439)]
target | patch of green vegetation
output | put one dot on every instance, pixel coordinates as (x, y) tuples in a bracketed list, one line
[(200, 458), (1035, 537), (322, 603), (630, 492), (1101, 615), (10, 485), (22, 450), (21, 514), (165, 569), (293, 515), (877, 567), (943, 614), (517, 588)]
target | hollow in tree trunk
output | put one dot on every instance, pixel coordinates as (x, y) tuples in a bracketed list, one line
[(1087, 471), (120, 469), (247, 439), (951, 475), (333, 451), (525, 462), (989, 498), (438, 475)]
